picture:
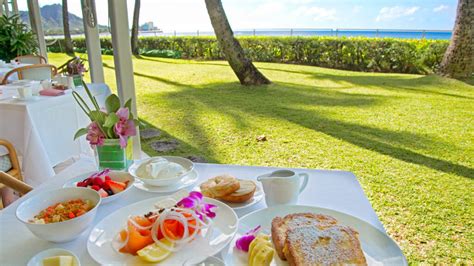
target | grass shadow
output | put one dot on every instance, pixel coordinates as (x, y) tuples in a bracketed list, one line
[(291, 103)]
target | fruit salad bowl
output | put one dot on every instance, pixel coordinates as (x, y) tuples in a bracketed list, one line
[(110, 185)]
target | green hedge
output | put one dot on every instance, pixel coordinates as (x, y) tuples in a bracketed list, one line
[(355, 53)]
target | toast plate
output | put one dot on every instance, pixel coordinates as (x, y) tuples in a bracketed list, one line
[(99, 244), (187, 181), (257, 197), (378, 248)]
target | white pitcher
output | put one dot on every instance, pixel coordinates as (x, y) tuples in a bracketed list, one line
[(282, 187)]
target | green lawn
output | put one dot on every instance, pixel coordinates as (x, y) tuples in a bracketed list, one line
[(408, 138)]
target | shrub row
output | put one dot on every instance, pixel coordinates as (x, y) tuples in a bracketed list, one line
[(355, 53)]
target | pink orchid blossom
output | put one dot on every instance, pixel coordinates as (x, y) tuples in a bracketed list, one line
[(243, 243), (124, 128), (195, 201), (94, 135)]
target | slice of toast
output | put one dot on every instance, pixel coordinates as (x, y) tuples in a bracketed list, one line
[(244, 193), (334, 245), (280, 227)]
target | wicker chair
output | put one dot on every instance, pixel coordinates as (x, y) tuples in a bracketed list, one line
[(12, 177), (32, 72), (31, 59)]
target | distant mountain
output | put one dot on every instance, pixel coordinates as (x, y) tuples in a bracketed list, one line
[(52, 20)]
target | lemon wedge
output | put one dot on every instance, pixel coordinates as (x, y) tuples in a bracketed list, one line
[(155, 253)]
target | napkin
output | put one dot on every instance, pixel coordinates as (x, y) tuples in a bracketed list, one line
[(51, 92)]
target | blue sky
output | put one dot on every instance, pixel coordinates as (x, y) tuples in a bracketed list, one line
[(191, 15)]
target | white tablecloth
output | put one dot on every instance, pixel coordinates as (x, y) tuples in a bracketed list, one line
[(338, 190), (42, 130)]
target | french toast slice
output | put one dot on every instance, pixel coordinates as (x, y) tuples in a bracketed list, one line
[(335, 245), (280, 226)]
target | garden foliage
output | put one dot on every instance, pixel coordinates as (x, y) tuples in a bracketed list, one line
[(354, 53)]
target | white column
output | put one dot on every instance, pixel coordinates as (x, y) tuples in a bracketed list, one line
[(36, 26), (91, 30), (7, 9), (1, 7), (123, 59), (15, 7)]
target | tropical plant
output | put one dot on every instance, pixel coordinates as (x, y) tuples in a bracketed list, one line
[(243, 67), (15, 38), (67, 33), (135, 25), (458, 62), (115, 122)]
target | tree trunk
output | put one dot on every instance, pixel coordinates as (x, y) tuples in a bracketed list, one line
[(67, 34), (458, 61), (247, 73), (135, 25)]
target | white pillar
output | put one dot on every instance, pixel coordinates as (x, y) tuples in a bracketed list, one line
[(123, 59), (7, 9), (15, 7), (36, 26), (1, 7), (91, 30)]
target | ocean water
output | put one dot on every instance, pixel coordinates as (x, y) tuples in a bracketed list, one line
[(405, 34)]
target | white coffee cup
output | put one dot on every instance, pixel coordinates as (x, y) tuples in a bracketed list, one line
[(25, 92), (46, 84), (282, 187)]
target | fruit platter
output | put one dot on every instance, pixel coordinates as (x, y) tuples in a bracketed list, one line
[(109, 184), (181, 228)]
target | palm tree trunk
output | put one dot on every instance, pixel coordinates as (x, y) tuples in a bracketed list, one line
[(243, 67), (458, 61), (67, 34), (136, 19)]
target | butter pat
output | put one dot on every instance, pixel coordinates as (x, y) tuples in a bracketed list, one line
[(58, 261), (154, 167)]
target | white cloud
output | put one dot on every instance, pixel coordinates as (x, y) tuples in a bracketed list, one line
[(317, 13), (440, 8), (356, 9), (389, 13)]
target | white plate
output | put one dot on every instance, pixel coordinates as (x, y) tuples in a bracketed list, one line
[(257, 197), (37, 259), (379, 249), (187, 181), (114, 175), (99, 244)]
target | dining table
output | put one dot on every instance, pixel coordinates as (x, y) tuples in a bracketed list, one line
[(42, 128), (331, 189)]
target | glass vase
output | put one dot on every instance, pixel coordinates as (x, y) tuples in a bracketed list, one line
[(112, 156), (77, 80)]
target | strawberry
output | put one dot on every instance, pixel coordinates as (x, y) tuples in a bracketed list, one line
[(103, 193), (81, 184), (107, 177), (97, 181), (96, 188)]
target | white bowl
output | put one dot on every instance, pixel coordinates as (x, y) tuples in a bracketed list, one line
[(37, 260), (61, 231), (159, 182), (114, 175)]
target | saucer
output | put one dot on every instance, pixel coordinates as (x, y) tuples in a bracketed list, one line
[(37, 260), (187, 181), (26, 99)]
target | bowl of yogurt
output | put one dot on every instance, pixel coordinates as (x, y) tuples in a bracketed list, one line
[(161, 170)]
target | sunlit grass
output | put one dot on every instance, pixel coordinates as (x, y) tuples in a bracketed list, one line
[(408, 138)]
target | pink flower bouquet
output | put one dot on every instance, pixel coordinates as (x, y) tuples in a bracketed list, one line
[(113, 122)]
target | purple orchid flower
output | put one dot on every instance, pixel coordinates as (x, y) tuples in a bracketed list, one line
[(243, 243), (125, 127), (195, 201), (95, 136)]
